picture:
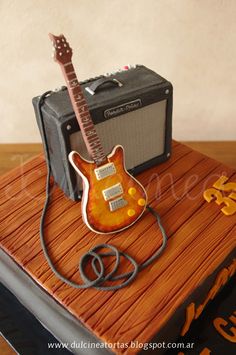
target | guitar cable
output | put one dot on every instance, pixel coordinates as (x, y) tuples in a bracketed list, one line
[(93, 254)]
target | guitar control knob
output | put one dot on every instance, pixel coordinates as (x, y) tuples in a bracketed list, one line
[(132, 191), (131, 212), (141, 202)]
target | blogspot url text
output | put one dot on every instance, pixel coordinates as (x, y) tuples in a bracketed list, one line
[(119, 345)]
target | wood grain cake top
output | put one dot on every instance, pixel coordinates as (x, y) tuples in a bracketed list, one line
[(200, 237)]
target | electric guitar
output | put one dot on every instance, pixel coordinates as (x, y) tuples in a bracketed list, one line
[(112, 199)]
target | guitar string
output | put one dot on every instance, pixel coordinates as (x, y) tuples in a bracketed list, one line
[(93, 257)]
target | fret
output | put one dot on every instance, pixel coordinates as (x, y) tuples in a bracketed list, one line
[(98, 153), (82, 106), (95, 145), (82, 109), (73, 82), (69, 68), (97, 149), (66, 65), (88, 126), (78, 97), (82, 102), (91, 136), (91, 139), (85, 119), (78, 103), (98, 156), (83, 116), (90, 133), (75, 87), (100, 161)]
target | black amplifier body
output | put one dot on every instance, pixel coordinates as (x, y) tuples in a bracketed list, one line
[(137, 115)]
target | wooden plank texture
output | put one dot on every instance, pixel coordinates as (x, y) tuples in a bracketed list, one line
[(223, 151), (200, 236), (13, 155)]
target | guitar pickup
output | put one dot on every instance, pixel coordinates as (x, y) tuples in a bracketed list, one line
[(105, 170), (118, 203), (112, 192)]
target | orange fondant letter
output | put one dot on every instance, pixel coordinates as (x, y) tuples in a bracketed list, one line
[(190, 314), (219, 323)]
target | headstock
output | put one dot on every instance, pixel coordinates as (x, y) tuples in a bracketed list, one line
[(62, 51)]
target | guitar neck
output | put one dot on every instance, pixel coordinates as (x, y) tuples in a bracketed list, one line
[(82, 114)]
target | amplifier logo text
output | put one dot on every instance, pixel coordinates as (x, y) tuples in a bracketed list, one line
[(124, 108)]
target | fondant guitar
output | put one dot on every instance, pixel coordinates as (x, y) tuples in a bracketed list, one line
[(112, 199)]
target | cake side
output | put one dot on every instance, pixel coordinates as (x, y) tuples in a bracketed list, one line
[(183, 322)]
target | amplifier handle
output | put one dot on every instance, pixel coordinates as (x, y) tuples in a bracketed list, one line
[(98, 83)]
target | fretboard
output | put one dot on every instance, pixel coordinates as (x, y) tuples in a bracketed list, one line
[(82, 114)]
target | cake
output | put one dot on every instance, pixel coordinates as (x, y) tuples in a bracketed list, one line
[(163, 301)]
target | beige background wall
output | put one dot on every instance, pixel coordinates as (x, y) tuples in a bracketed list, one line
[(192, 43)]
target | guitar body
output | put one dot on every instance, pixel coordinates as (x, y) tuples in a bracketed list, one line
[(110, 203)]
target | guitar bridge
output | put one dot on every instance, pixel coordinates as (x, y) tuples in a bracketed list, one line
[(118, 203)]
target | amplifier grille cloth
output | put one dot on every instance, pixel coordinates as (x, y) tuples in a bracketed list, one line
[(140, 132)]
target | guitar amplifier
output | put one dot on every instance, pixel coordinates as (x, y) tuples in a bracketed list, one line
[(132, 107)]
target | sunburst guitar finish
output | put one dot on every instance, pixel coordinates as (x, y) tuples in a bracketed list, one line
[(112, 199), (112, 203)]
